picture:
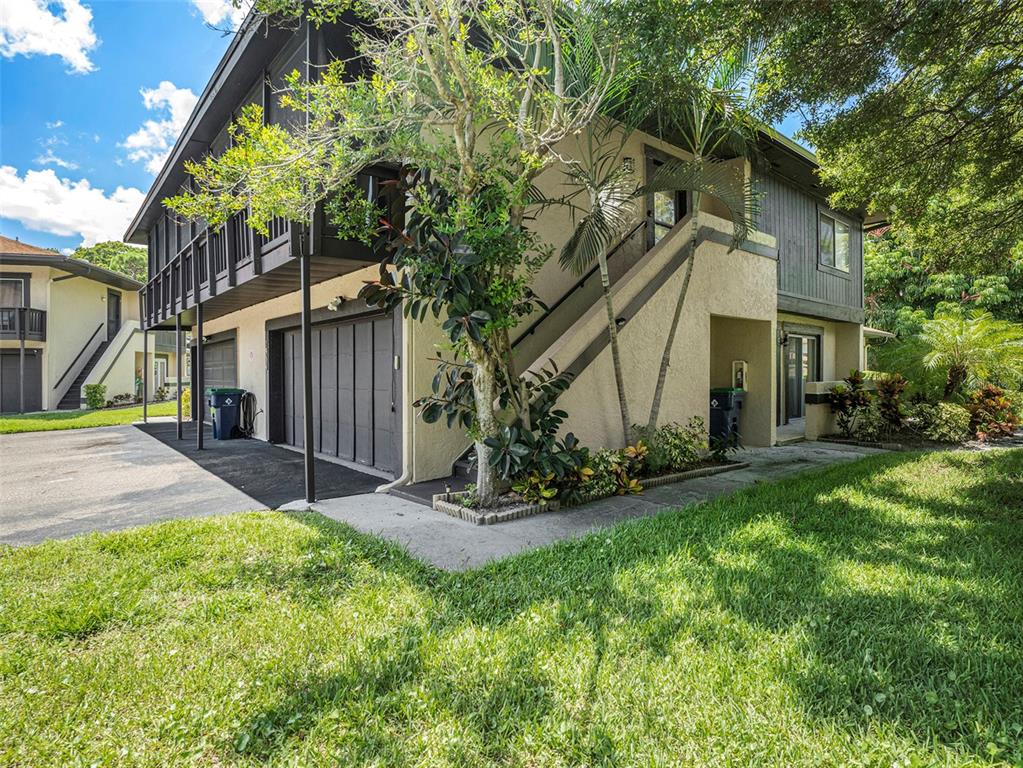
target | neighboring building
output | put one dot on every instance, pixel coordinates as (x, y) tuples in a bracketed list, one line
[(786, 307), (65, 323)]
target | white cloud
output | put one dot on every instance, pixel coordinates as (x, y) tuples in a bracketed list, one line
[(55, 124), (151, 143), (51, 159), (61, 28), (216, 12), (41, 201)]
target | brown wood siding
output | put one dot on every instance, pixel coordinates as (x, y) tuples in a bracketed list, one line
[(790, 214)]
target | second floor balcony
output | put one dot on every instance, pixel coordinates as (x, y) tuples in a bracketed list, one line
[(232, 266), (22, 323)]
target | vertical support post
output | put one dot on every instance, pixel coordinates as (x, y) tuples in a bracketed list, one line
[(145, 376), (307, 382), (177, 362), (20, 314), (198, 405), (198, 402)]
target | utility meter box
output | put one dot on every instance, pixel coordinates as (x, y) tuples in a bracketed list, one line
[(740, 374)]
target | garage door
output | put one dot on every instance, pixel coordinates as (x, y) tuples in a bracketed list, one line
[(220, 365), (356, 391), (9, 378)]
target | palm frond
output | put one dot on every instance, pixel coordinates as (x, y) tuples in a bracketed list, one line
[(712, 177), (611, 211)]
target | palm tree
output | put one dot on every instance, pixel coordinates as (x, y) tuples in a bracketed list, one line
[(973, 347), (606, 184), (716, 120)]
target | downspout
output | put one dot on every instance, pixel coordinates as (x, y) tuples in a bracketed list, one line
[(408, 418)]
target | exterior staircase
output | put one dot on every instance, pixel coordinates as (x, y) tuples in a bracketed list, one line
[(72, 400)]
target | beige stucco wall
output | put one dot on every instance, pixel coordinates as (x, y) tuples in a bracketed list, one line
[(75, 307), (732, 284), (752, 341), (556, 223)]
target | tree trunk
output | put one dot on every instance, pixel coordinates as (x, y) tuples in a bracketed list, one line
[(662, 372), (955, 379), (616, 360), (484, 387)]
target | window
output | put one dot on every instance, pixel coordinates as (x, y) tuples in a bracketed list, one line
[(834, 242), (665, 208), (12, 292)]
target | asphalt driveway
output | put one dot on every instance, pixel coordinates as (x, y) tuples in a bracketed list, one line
[(59, 484)]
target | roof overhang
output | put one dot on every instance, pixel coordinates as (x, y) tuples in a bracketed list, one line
[(877, 333), (250, 51), (76, 267)]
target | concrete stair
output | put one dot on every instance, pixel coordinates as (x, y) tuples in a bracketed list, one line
[(72, 399)]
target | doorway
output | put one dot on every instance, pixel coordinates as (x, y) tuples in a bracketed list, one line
[(113, 313), (160, 372), (802, 365)]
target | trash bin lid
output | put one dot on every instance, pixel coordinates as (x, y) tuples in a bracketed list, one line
[(725, 390), (224, 391)]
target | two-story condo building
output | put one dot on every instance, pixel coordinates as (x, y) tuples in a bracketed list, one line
[(65, 323), (785, 308)]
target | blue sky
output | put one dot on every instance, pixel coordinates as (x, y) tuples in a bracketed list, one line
[(71, 96), (92, 95)]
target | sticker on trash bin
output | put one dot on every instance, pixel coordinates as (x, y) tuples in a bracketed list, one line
[(713, 403), (229, 401)]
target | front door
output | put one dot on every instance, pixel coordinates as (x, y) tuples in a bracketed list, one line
[(801, 365), (113, 313)]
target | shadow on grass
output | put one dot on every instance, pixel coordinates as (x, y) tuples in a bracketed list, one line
[(903, 600)]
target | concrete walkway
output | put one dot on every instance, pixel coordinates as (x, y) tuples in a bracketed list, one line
[(457, 545), (61, 483)]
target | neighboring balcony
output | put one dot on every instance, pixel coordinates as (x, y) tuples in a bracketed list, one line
[(22, 323)]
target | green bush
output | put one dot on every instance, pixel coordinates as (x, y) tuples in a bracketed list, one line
[(943, 423), (186, 402), (95, 395), (673, 447), (872, 424), (615, 472)]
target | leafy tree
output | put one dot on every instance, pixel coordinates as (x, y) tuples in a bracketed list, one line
[(126, 259), (903, 288), (916, 109)]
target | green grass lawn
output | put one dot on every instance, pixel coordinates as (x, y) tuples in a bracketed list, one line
[(867, 615), (104, 417)]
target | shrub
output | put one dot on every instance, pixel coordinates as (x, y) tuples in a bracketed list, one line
[(847, 400), (991, 412), (536, 488), (95, 395), (186, 402), (673, 447), (614, 473), (889, 400), (160, 394), (943, 423), (872, 424)]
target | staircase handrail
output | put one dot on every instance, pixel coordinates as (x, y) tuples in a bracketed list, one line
[(78, 356)]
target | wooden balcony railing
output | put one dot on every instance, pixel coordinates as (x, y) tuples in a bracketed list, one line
[(22, 323), (208, 263)]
